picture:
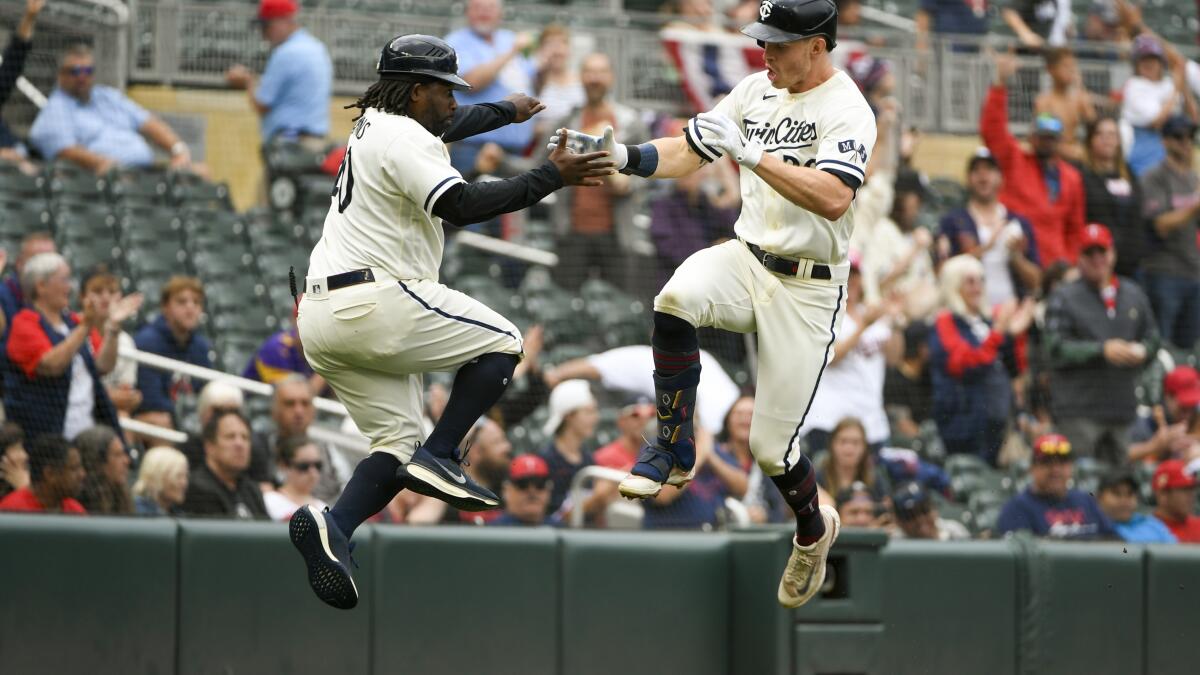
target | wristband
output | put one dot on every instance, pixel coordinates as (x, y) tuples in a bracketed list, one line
[(642, 160)]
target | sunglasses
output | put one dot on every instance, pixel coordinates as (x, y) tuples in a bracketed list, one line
[(305, 466), (76, 71), (527, 483)]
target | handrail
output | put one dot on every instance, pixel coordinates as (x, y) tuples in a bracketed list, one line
[(153, 430), (737, 510)]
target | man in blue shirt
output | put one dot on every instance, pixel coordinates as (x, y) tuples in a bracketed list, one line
[(173, 335), (1047, 508), (98, 127), (526, 493), (491, 61), (292, 96), (1118, 497)]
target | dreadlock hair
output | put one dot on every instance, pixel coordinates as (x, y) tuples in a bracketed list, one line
[(389, 96)]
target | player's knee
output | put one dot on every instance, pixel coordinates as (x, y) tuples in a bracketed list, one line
[(768, 451), (672, 333), (498, 365)]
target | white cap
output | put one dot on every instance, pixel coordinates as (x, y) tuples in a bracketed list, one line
[(566, 398), (219, 393)]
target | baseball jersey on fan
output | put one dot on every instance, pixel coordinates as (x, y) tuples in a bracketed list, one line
[(827, 127), (381, 211)]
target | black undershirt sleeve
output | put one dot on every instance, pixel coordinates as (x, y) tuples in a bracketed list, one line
[(471, 120), (851, 182), (468, 203)]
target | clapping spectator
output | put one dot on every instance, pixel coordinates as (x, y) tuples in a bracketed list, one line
[(11, 65), (850, 461), (1049, 507), (1165, 434), (293, 94), (1113, 195), (162, 483), (219, 487), (1118, 498), (1067, 99), (98, 127), (101, 287), (896, 256), (1175, 495), (556, 84), (106, 488), (1099, 333), (1149, 99), (1171, 266), (56, 476), (14, 460), (972, 361), (175, 335), (526, 493), (917, 517), (572, 427), (300, 463), (56, 357)]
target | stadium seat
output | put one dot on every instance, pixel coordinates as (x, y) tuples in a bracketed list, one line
[(18, 185), (146, 187), (65, 179), (190, 191)]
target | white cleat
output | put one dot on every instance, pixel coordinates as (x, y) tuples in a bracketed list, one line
[(640, 487), (805, 571)]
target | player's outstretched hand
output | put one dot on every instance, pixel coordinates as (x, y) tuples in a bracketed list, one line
[(724, 134), (587, 169), (527, 106), (577, 141)]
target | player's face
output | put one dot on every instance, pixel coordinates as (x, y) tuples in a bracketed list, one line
[(433, 106), (1119, 502), (789, 63)]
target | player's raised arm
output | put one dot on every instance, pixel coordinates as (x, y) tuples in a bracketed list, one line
[(472, 120)]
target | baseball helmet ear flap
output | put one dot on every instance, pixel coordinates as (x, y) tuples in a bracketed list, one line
[(420, 57), (791, 20)]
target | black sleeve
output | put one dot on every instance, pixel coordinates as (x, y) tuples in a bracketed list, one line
[(851, 182), (14, 64), (467, 203), (471, 120)]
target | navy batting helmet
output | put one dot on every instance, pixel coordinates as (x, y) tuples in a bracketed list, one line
[(418, 57), (790, 20)]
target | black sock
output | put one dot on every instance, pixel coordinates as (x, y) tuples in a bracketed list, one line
[(799, 488), (675, 344), (477, 387), (372, 486)]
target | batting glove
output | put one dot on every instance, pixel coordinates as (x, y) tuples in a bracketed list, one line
[(722, 133), (582, 143)]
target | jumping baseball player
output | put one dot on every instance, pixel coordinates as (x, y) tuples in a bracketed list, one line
[(374, 317), (802, 133)]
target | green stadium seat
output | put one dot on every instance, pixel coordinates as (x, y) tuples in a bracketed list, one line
[(147, 187), (86, 255), (155, 256), (190, 191), (20, 216), (16, 185), (287, 157), (65, 179)]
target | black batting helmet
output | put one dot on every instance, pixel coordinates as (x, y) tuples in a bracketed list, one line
[(418, 57), (790, 20)]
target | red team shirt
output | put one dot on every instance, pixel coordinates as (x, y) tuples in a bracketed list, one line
[(24, 500)]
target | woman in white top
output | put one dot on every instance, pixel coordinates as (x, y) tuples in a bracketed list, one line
[(301, 464)]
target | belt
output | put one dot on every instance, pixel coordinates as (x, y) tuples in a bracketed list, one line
[(334, 282), (805, 269)]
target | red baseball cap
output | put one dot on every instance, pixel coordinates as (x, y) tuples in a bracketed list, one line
[(528, 466), (1171, 474), (276, 9), (1183, 384), (1095, 235), (1051, 446)]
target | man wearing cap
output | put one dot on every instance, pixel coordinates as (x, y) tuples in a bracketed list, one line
[(1048, 507), (1099, 333), (1165, 435), (526, 493), (1038, 183), (1175, 494), (917, 517), (292, 96), (1118, 498), (857, 507), (1171, 204), (1003, 241)]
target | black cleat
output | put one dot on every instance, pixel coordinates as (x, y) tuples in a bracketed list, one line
[(444, 479), (327, 554)]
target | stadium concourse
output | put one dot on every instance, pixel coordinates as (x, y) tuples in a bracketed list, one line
[(1021, 333)]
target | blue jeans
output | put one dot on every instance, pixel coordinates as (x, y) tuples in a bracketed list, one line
[(1176, 302)]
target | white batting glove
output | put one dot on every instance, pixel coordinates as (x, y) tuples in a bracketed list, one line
[(581, 143), (723, 133)]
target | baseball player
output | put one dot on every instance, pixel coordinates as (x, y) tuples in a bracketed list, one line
[(374, 317), (802, 133)]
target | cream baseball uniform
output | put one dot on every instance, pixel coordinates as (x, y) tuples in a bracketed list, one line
[(829, 127), (373, 341)]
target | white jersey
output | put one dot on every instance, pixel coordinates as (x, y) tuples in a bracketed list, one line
[(829, 127), (381, 211)]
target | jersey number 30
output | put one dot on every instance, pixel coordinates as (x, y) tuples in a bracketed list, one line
[(343, 185)]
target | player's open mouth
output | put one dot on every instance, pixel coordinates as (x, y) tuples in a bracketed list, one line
[(770, 74)]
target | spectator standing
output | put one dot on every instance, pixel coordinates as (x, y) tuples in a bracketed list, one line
[(101, 287), (850, 461), (12, 64), (300, 463), (175, 335), (56, 476), (526, 493), (14, 460), (56, 357), (219, 487), (97, 127), (571, 426), (1048, 507), (1148, 99), (1099, 333), (1003, 241), (917, 517), (896, 254), (1038, 184), (1165, 434), (162, 483), (1066, 100), (106, 488), (1040, 23), (908, 386), (1112, 195), (492, 61), (556, 85), (950, 18), (701, 503), (1118, 498), (293, 94), (1175, 494), (1171, 266), (595, 224), (973, 360)]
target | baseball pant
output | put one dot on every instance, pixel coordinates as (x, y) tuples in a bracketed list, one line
[(726, 287), (372, 342)]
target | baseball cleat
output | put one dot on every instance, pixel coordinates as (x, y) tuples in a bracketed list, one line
[(805, 571), (640, 487), (327, 554), (443, 478)]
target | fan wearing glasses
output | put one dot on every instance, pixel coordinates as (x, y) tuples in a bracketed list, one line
[(526, 493), (1049, 507), (98, 127), (300, 464)]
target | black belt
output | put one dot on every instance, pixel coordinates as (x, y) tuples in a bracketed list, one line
[(336, 281), (786, 266)]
